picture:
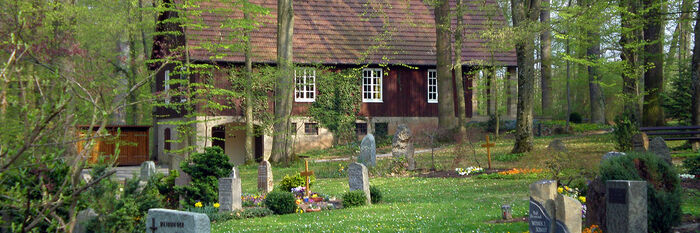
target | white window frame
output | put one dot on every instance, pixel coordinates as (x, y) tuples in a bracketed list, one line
[(432, 77), (306, 80), (166, 86), (371, 83)]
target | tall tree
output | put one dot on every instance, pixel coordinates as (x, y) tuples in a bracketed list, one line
[(695, 71), (546, 59), (459, 83), (249, 134), (446, 110), (630, 38), (653, 113), (592, 44), (525, 16), (284, 87)]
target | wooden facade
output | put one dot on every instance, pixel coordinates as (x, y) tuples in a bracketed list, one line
[(133, 145)]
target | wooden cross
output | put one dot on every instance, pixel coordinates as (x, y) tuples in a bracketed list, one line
[(488, 149), (307, 174)]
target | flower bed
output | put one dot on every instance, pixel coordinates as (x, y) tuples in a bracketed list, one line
[(469, 170), (515, 173)]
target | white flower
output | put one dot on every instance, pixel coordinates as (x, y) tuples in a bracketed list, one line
[(686, 176)]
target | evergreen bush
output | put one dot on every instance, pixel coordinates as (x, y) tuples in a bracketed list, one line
[(281, 202), (663, 186), (575, 117), (375, 194), (354, 198), (289, 182), (205, 169), (625, 128)]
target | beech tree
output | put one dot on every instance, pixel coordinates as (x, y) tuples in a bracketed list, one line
[(284, 88), (446, 112), (546, 59), (653, 113)]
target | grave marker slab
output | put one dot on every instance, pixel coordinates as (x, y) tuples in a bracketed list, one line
[(174, 221), (658, 146), (358, 179), (402, 147), (542, 206), (368, 151), (611, 154), (265, 177), (230, 194), (568, 214), (148, 169), (640, 142), (626, 206)]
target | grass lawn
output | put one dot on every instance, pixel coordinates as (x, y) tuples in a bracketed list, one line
[(417, 204)]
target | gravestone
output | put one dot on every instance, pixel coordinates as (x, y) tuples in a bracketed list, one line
[(595, 204), (265, 177), (148, 169), (174, 221), (358, 179), (402, 147), (368, 151), (234, 173), (86, 177), (568, 214), (83, 219), (626, 206), (557, 146), (640, 142), (658, 147), (612, 154), (542, 206), (230, 194)]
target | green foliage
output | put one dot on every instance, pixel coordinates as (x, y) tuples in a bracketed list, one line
[(663, 186), (375, 194), (575, 117), (338, 104), (509, 157), (354, 198), (281, 202), (678, 102), (498, 176), (289, 182), (166, 188), (205, 169), (625, 128), (692, 165)]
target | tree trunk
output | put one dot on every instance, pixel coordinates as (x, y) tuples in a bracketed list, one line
[(459, 83), (684, 34), (511, 91), (695, 70), (595, 92), (546, 59), (525, 13), (446, 110), (284, 87), (653, 114), (249, 134), (489, 91), (629, 41)]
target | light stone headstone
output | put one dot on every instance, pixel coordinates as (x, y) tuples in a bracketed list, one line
[(626, 206), (368, 151), (658, 146), (83, 219), (612, 154), (640, 142), (402, 147), (568, 214), (148, 169), (174, 221), (86, 177), (265, 184), (542, 206), (230, 194), (358, 179), (557, 146)]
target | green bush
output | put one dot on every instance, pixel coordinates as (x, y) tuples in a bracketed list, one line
[(575, 117), (625, 128), (375, 194), (256, 212), (289, 182), (281, 202), (663, 186), (354, 198), (166, 188), (692, 165), (205, 169)]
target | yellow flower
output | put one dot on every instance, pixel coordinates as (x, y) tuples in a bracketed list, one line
[(560, 190), (567, 188), (298, 201), (582, 199), (198, 204), (216, 205)]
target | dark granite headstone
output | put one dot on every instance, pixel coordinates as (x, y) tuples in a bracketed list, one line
[(640, 142), (658, 146), (626, 207), (265, 177), (542, 206)]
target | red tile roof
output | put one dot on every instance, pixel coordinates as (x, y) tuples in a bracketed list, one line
[(356, 32)]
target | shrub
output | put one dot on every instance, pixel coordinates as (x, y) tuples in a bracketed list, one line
[(693, 165), (575, 117), (354, 198), (375, 194), (625, 128), (289, 182), (281, 202), (166, 188), (205, 169), (256, 212), (663, 186)]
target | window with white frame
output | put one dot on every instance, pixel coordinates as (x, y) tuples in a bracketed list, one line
[(432, 86), (166, 86), (372, 85), (305, 85)]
